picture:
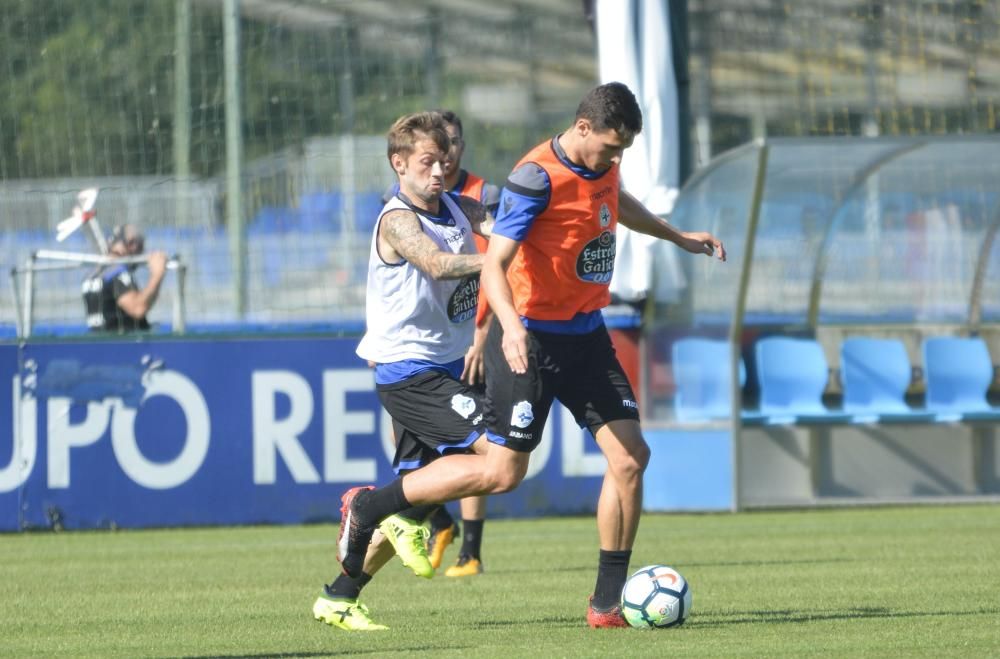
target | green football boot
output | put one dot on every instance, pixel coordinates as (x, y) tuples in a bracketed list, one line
[(409, 539), (349, 615)]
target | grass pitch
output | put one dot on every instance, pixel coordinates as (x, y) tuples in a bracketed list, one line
[(906, 582)]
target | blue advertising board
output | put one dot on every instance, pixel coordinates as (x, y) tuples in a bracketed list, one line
[(221, 431)]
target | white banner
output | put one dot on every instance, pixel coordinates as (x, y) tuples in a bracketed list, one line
[(634, 47)]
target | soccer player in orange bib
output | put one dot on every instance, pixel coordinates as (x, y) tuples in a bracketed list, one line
[(546, 277)]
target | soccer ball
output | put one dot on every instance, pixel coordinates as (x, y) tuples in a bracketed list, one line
[(656, 596)]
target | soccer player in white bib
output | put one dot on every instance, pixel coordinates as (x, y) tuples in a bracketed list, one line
[(443, 528), (421, 301)]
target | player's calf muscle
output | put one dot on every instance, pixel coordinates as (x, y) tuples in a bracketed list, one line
[(446, 479)]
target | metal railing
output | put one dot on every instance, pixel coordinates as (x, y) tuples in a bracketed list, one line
[(24, 303)]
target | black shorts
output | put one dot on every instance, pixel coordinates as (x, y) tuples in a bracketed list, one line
[(432, 414), (581, 370)]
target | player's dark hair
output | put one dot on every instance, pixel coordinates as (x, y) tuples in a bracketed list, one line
[(453, 119), (611, 106), (411, 128)]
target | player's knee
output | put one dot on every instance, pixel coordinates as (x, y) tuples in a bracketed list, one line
[(642, 454), (504, 484), (631, 465), (633, 469), (499, 482), (639, 453)]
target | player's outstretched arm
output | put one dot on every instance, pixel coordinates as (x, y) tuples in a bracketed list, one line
[(402, 238), (638, 218), (479, 216)]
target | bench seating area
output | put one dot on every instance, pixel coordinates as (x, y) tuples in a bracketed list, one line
[(875, 374)]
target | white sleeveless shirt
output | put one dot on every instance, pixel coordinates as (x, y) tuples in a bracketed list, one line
[(408, 314)]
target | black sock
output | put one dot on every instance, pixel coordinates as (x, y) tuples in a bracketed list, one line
[(419, 513), (347, 588), (472, 537), (441, 519), (612, 571), (376, 505)]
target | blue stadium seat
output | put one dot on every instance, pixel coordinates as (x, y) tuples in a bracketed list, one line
[(274, 260), (875, 375), (367, 206), (320, 211), (958, 372), (211, 265), (278, 219), (167, 239), (792, 374), (37, 239), (702, 376), (269, 219)]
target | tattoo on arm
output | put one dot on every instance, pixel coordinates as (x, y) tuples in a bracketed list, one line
[(457, 266), (402, 230), (479, 217)]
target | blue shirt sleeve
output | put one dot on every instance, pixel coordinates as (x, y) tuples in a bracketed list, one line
[(524, 197), (491, 198)]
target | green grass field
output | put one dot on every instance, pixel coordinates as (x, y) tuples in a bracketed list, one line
[(907, 582)]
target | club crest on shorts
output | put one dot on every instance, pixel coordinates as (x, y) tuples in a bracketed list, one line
[(522, 416), (463, 405)]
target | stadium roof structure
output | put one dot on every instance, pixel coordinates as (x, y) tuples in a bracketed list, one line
[(768, 55), (554, 71), (849, 231), (815, 64)]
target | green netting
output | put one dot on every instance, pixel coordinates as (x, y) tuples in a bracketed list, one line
[(95, 94)]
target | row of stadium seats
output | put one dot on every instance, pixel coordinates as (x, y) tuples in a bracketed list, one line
[(320, 212), (792, 374)]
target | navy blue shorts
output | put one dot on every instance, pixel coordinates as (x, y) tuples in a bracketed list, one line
[(432, 414), (581, 370)]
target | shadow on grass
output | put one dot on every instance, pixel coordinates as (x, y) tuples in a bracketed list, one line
[(551, 621), (420, 649), (685, 564), (263, 655), (776, 561), (781, 616)]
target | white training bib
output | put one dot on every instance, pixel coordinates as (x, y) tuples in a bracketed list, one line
[(408, 314)]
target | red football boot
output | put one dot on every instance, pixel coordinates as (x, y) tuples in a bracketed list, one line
[(604, 619)]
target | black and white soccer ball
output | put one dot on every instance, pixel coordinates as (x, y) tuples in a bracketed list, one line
[(656, 597)]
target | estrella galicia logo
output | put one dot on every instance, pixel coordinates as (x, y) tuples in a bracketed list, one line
[(596, 262), (463, 405), (522, 415), (604, 215), (464, 300)]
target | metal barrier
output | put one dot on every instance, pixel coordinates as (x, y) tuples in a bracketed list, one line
[(61, 260)]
